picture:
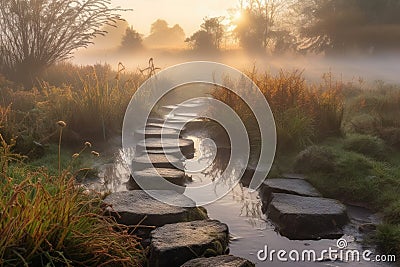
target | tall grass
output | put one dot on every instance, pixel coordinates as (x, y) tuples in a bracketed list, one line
[(50, 221), (303, 112), (91, 99)]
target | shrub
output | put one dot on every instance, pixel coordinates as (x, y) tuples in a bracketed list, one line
[(367, 145), (391, 136), (387, 238), (392, 213), (314, 159), (294, 129)]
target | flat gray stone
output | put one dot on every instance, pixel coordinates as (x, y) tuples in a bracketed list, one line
[(155, 120), (297, 187), (156, 133), (307, 218), (294, 176), (176, 152), (174, 244), (220, 261), (152, 178), (166, 126), (185, 145), (156, 161), (134, 207)]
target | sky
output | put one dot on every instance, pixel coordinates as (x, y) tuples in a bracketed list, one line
[(188, 14)]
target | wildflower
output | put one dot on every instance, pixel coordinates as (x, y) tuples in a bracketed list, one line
[(62, 124), (96, 154), (88, 144)]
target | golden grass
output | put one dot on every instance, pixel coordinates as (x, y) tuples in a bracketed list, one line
[(49, 220)]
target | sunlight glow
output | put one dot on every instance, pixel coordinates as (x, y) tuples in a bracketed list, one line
[(238, 15)]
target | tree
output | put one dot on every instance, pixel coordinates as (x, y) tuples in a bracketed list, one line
[(256, 27), (341, 26), (214, 27), (209, 37), (34, 34), (132, 40), (161, 35), (201, 41)]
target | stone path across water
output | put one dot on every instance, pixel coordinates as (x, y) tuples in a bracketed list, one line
[(183, 234), (186, 235)]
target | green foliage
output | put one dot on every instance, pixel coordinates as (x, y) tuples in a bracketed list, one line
[(314, 159), (375, 112), (367, 145), (340, 26), (392, 213), (388, 239)]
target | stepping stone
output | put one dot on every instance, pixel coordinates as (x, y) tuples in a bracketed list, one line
[(151, 178), (156, 161), (134, 207), (307, 218), (169, 107), (220, 261), (294, 176), (185, 145), (174, 244), (287, 186), (178, 127), (183, 114), (171, 151), (155, 120), (156, 133)]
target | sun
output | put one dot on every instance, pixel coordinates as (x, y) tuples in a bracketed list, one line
[(237, 15)]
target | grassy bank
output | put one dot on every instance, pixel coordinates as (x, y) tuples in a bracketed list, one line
[(344, 136), (48, 220)]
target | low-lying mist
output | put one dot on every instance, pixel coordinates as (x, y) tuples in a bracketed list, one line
[(358, 68)]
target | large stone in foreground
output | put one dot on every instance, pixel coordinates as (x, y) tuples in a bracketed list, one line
[(156, 161), (134, 207), (220, 261), (174, 244), (185, 145), (287, 186), (151, 177), (303, 218)]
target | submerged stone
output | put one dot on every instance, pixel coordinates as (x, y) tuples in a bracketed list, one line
[(174, 244), (156, 133), (185, 145), (134, 207), (152, 178), (307, 218), (156, 161), (220, 261)]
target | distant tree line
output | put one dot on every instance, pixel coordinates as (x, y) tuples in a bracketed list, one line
[(38, 33), (328, 26)]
